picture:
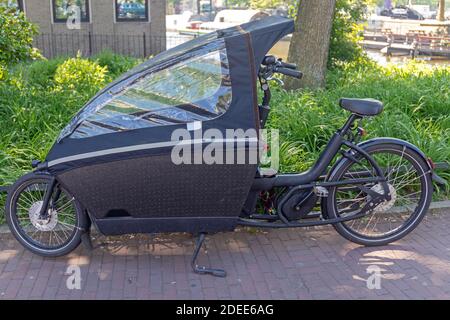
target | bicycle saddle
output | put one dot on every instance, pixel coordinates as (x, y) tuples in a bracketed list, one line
[(362, 107)]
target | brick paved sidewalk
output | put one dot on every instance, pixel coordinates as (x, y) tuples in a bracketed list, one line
[(314, 263)]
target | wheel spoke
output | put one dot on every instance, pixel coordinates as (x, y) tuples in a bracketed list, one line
[(66, 205)]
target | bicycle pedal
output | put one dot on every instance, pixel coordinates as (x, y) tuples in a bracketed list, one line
[(321, 192)]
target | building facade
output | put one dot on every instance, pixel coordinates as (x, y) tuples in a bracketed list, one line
[(131, 27)]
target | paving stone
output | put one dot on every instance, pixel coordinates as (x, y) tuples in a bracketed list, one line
[(310, 263)]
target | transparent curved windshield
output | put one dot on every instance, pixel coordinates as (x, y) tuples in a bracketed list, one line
[(195, 89)]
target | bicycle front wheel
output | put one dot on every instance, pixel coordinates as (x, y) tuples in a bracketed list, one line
[(409, 181), (60, 232)]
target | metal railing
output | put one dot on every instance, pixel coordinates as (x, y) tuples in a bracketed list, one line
[(87, 43)]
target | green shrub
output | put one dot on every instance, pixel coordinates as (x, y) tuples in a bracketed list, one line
[(80, 74), (116, 63), (16, 37), (42, 73), (3, 72), (347, 31)]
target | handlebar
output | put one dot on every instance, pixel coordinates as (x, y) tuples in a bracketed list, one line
[(288, 65), (269, 60), (274, 65), (290, 72)]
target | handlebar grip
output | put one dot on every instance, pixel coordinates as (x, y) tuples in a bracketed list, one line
[(288, 65), (290, 72), (268, 60)]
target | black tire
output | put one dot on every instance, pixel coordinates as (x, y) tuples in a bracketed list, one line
[(417, 169), (15, 213)]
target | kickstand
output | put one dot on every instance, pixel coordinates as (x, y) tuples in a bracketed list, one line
[(201, 269), (86, 240)]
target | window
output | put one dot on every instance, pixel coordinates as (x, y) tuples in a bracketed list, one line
[(195, 89), (131, 10), (18, 4), (69, 9)]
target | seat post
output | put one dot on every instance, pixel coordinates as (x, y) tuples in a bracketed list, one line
[(353, 117)]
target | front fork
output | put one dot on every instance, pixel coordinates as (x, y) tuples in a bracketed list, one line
[(43, 214)]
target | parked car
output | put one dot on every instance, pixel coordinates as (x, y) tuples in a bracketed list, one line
[(402, 12)]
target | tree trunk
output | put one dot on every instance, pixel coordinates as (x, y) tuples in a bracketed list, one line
[(310, 42), (441, 13)]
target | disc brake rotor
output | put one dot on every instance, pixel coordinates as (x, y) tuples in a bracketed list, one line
[(47, 224), (387, 204)]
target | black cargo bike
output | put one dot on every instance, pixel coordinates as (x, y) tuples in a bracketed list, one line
[(112, 164)]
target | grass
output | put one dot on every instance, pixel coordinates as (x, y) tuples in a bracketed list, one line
[(34, 108)]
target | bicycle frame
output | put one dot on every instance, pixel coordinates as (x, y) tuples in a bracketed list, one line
[(316, 176), (309, 178)]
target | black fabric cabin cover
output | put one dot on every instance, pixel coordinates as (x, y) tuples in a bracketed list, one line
[(117, 162)]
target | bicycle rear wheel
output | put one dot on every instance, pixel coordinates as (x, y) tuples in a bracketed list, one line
[(409, 181)]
